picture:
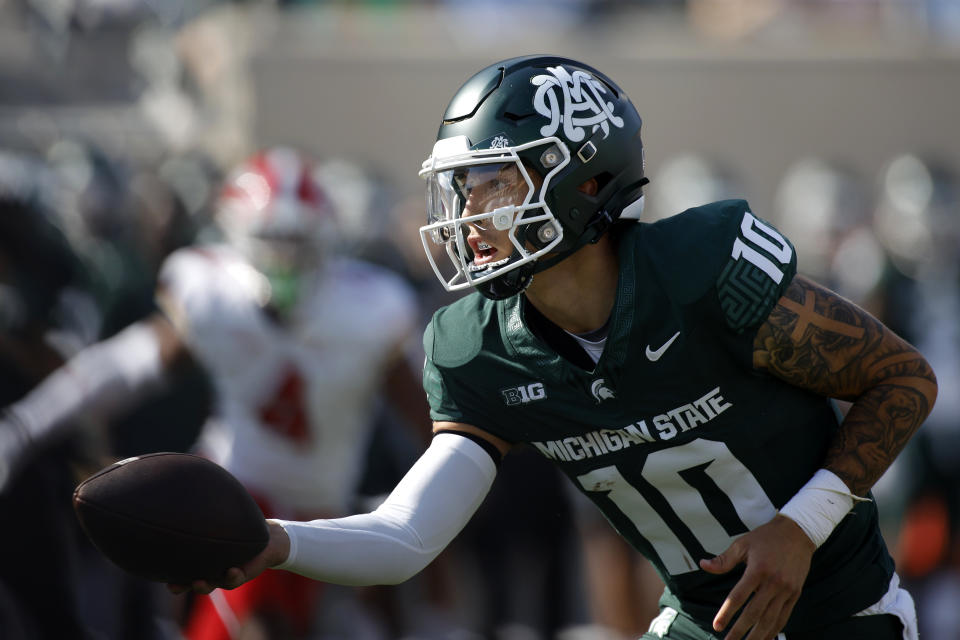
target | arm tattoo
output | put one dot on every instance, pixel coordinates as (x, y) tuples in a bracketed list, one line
[(816, 340)]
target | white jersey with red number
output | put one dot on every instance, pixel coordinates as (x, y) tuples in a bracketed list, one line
[(294, 401)]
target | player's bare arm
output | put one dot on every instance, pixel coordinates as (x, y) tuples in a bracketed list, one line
[(817, 340)]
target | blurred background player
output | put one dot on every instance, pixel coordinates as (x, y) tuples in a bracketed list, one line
[(916, 221), (298, 342), (47, 310), (80, 247)]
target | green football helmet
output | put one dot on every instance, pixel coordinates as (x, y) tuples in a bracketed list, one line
[(559, 119)]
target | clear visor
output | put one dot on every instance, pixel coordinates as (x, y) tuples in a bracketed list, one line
[(474, 192), (500, 198), (496, 199)]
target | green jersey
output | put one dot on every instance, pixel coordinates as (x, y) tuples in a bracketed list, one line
[(673, 434)]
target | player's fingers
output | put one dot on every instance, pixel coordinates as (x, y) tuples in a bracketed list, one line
[(726, 561), (777, 620), (767, 620), (177, 589), (234, 578), (762, 630), (735, 600), (202, 586), (754, 619), (782, 594)]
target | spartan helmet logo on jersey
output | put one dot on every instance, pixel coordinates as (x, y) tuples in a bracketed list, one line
[(515, 146), (601, 391), (272, 209)]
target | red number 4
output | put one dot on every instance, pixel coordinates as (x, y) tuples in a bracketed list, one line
[(286, 413)]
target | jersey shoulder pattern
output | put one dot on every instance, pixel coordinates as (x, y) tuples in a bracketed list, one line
[(726, 247)]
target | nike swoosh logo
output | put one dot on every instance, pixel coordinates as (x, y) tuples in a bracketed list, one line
[(653, 356)]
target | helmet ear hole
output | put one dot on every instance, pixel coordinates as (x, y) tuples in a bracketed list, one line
[(603, 179), (590, 187)]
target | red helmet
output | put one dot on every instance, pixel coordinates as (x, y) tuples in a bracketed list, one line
[(273, 210)]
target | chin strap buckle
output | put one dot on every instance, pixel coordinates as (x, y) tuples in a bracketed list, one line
[(597, 226)]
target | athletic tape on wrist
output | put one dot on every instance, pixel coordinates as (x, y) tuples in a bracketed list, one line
[(820, 505)]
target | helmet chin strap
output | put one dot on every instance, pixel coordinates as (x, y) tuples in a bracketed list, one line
[(516, 280), (596, 229), (510, 283)]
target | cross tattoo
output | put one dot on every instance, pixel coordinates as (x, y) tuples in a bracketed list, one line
[(806, 316)]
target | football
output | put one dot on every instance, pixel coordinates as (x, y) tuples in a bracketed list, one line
[(170, 517)]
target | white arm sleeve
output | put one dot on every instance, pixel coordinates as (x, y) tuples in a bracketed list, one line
[(426, 510), (101, 379)]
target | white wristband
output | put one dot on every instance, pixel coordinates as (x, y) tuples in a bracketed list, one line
[(820, 505)]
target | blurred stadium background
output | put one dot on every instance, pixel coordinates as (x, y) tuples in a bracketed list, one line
[(836, 119)]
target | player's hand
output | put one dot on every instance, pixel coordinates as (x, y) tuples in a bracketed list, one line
[(276, 551), (777, 557)]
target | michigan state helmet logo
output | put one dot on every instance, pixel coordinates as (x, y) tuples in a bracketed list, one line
[(601, 391), (574, 99)]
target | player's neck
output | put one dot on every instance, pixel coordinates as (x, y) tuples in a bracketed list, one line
[(577, 294)]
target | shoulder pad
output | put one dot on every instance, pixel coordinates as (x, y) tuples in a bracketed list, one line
[(184, 267), (760, 267), (204, 281), (387, 294), (723, 245), (455, 334), (689, 249), (183, 278)]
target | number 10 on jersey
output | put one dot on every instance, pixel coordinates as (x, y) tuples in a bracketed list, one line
[(770, 241), (690, 501)]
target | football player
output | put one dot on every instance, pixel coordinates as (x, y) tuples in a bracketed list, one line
[(681, 373), (298, 343), (48, 310)]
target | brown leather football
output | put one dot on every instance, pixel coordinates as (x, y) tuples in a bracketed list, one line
[(170, 517)]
